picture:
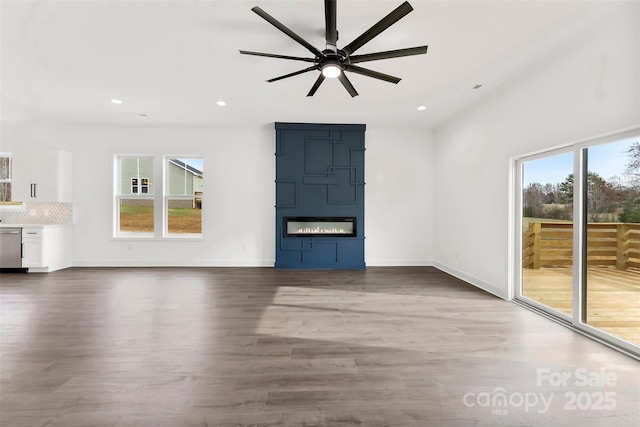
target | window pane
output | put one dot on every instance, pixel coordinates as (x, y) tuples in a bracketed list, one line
[(184, 176), (547, 239), (131, 169), (184, 195), (5, 167), (5, 191), (136, 215), (184, 216), (613, 239)]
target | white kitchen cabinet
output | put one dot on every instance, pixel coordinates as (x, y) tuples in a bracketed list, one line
[(42, 176), (46, 248), (32, 248)]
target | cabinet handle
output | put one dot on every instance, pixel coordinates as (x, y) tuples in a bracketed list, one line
[(31, 191), (35, 190), (22, 250)]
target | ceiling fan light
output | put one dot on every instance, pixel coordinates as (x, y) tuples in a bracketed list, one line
[(331, 70)]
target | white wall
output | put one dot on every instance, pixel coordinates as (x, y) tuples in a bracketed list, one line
[(589, 87), (239, 168), (398, 197), (440, 198)]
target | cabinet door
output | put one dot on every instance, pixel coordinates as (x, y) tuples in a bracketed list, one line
[(32, 253), (22, 171), (42, 176), (45, 176)]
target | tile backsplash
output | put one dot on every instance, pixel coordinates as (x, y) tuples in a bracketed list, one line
[(39, 213)]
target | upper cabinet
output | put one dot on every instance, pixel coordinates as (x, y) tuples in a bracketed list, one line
[(42, 176)]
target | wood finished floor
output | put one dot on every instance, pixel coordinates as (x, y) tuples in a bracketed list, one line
[(256, 347)]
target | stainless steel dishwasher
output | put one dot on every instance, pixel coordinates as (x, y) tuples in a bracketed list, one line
[(11, 247)]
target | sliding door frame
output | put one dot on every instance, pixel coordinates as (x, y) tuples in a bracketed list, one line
[(578, 319), (517, 235)]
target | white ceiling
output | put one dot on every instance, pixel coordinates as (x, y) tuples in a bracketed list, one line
[(172, 60)]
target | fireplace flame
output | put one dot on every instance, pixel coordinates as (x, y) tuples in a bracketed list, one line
[(322, 230)]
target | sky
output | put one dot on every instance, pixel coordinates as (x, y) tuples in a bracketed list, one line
[(193, 162), (607, 160)]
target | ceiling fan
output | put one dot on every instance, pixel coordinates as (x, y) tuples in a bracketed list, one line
[(333, 62)]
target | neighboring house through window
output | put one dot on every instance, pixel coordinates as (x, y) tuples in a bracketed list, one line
[(180, 194), (183, 195), (134, 196)]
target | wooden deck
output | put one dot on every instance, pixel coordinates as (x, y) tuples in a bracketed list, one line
[(613, 297)]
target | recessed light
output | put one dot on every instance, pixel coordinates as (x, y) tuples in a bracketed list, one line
[(422, 108), (221, 103), (116, 101)]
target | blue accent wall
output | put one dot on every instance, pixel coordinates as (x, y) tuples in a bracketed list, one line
[(319, 172)]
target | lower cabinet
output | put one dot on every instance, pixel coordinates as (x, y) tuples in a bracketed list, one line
[(32, 248), (46, 248)]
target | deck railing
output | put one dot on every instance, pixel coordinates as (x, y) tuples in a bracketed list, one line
[(550, 244)]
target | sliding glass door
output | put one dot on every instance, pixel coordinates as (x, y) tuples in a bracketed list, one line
[(578, 237), (612, 210), (547, 232)]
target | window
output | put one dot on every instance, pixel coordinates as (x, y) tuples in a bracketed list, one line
[(143, 188), (180, 196), (134, 196), (183, 195), (5, 178)]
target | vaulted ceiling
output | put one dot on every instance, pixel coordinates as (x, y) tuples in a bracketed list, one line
[(171, 61)]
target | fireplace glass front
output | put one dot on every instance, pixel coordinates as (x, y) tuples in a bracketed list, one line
[(320, 226)]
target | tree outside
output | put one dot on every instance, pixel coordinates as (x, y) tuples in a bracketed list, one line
[(615, 199)]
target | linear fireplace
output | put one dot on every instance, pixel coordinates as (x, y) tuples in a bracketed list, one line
[(320, 226), (319, 221)]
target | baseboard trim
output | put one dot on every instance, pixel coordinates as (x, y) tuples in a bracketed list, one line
[(173, 263), (399, 263), (500, 293)]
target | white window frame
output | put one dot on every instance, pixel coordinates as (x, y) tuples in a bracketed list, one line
[(9, 179), (159, 196), (118, 196), (184, 196)]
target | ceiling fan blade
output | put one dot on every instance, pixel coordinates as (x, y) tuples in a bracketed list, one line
[(271, 55), (420, 50), (273, 21), (331, 34), (347, 85), (293, 74), (371, 73), (379, 27), (316, 85)]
